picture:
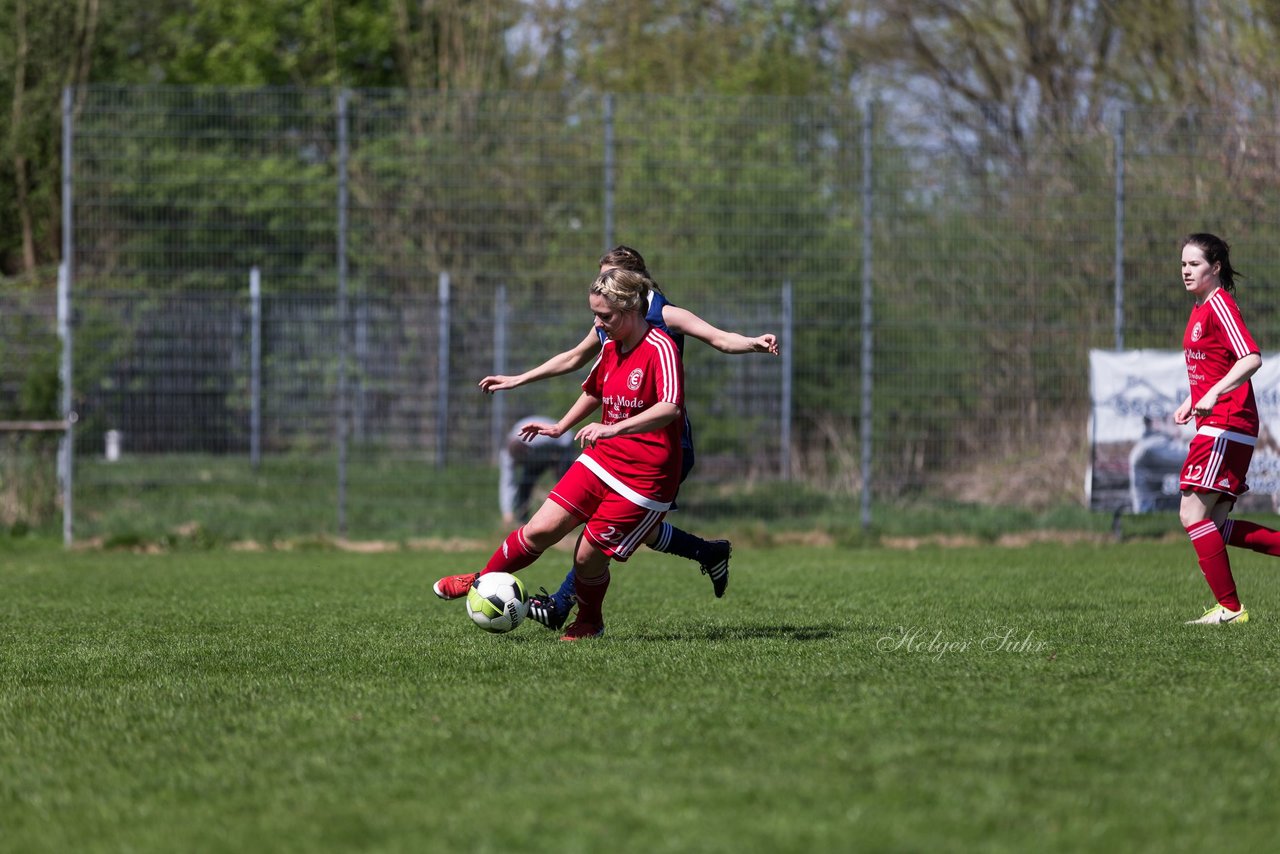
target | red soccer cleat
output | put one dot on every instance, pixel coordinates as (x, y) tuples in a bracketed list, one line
[(455, 586), (578, 630)]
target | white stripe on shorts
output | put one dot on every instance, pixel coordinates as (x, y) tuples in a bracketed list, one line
[(1229, 435)]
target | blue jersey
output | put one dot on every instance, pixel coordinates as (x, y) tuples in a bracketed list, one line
[(654, 315)]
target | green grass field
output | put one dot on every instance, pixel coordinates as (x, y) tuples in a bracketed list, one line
[(1043, 698)]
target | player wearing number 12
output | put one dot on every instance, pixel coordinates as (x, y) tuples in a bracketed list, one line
[(627, 476), (1221, 358)]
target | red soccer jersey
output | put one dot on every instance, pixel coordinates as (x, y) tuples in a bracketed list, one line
[(647, 464), (1216, 338)]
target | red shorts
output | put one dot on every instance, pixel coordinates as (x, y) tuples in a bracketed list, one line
[(1218, 461), (615, 525)]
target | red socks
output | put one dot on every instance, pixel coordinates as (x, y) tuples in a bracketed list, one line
[(590, 592), (1250, 535), (1214, 563), (513, 555)]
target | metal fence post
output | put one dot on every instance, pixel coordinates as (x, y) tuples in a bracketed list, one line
[(609, 176), (867, 376), (498, 413), (784, 431), (255, 368), (442, 380), (66, 374), (343, 99), (1120, 233), (65, 479), (359, 391)]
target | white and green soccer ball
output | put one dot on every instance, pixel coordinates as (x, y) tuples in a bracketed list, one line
[(498, 602)]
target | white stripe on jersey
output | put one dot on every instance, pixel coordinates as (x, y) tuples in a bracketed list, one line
[(1217, 303), (668, 355), (621, 488)]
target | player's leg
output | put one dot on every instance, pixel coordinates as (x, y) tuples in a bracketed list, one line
[(522, 547), (591, 583), (581, 492), (1250, 535), (1214, 463), (711, 556), (552, 609), (1247, 535), (614, 532)]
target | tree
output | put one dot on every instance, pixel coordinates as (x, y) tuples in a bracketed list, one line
[(52, 47), (686, 46)]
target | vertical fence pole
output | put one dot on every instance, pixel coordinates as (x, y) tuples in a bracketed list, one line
[(255, 368), (359, 394), (867, 376), (343, 332), (442, 379), (1120, 233), (609, 176), (784, 431), (65, 481), (66, 450), (498, 413)]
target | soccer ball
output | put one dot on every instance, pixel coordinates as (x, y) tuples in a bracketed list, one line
[(498, 602)]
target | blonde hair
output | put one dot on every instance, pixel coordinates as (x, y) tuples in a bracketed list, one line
[(623, 289)]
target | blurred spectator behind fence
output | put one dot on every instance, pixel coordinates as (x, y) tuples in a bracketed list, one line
[(521, 464), (1154, 465)]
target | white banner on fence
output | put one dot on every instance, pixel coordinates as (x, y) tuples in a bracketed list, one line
[(1136, 451)]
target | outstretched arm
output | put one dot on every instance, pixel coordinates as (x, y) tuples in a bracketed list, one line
[(582, 407), (687, 323), (561, 363)]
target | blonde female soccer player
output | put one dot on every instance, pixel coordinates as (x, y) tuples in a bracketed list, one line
[(626, 478), (711, 556)]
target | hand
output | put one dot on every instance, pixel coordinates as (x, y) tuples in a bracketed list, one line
[(534, 429), (767, 343), (498, 382), (1182, 414), (593, 433), (1205, 404)]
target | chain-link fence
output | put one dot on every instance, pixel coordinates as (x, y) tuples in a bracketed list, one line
[(283, 299)]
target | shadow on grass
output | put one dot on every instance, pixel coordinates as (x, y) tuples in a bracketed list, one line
[(783, 631)]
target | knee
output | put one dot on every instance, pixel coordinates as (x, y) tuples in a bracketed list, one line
[(539, 535), (1191, 511)]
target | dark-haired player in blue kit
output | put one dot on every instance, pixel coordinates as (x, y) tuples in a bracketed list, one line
[(712, 556)]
